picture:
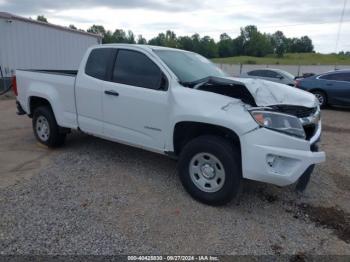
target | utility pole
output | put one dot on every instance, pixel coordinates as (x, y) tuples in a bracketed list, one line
[(339, 29)]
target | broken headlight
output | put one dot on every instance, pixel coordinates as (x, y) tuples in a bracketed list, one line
[(283, 123)]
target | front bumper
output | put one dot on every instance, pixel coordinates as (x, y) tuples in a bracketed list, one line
[(276, 158)]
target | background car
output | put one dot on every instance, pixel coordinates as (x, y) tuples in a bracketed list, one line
[(305, 75), (274, 75), (331, 88)]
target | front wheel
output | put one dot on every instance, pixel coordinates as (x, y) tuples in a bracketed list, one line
[(46, 129), (209, 169)]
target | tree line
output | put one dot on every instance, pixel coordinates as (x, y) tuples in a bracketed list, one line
[(250, 42)]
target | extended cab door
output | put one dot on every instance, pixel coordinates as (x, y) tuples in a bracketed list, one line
[(89, 89), (135, 102)]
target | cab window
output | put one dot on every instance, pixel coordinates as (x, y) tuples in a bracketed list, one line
[(99, 62), (136, 69)]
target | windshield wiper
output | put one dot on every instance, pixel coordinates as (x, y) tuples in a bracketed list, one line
[(191, 84)]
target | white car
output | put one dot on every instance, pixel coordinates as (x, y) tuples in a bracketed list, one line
[(177, 103)]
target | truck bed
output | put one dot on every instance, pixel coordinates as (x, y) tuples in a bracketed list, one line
[(56, 86), (55, 72)]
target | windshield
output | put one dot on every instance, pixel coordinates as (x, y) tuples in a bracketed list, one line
[(187, 66)]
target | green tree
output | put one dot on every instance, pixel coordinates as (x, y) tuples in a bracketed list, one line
[(196, 42), (238, 46), (130, 38), (250, 42), (170, 39), (254, 42), (72, 27), (42, 18), (97, 29), (300, 45), (120, 36), (208, 47), (108, 38), (159, 40), (279, 42), (225, 46), (306, 44), (186, 43), (141, 40)]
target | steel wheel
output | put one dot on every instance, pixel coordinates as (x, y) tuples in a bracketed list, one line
[(42, 128), (209, 169), (207, 172)]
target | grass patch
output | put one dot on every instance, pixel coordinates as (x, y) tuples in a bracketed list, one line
[(288, 59)]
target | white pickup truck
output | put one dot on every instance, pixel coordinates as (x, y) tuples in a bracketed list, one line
[(177, 103)]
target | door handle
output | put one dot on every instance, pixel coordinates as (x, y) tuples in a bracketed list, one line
[(329, 84), (111, 93)]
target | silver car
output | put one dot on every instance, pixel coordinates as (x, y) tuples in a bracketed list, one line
[(274, 75)]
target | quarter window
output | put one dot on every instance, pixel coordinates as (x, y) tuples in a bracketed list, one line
[(99, 62), (136, 69)]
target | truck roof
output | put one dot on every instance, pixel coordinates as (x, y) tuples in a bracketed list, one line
[(144, 47)]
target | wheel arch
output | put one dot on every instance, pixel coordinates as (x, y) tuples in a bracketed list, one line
[(319, 90), (185, 131), (37, 101), (323, 92)]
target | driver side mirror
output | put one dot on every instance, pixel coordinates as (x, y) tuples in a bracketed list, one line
[(163, 85)]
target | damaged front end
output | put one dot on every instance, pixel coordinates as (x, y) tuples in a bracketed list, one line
[(281, 109), (294, 112), (223, 86)]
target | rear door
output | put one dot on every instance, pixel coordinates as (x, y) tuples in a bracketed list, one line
[(89, 88), (135, 101)]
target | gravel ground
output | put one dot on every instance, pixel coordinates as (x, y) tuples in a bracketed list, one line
[(97, 197)]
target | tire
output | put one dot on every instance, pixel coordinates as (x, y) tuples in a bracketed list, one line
[(214, 180), (304, 180), (322, 98), (45, 127)]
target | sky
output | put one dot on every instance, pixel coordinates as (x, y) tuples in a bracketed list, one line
[(319, 19)]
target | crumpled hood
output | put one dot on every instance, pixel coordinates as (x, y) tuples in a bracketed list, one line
[(267, 93)]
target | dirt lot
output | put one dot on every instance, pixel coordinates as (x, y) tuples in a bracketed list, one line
[(97, 197)]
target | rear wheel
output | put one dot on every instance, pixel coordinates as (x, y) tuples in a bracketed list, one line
[(46, 129), (209, 169), (321, 97)]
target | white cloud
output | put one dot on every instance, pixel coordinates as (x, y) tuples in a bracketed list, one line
[(317, 19)]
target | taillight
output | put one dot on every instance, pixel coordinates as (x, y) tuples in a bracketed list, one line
[(297, 83), (14, 85)]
